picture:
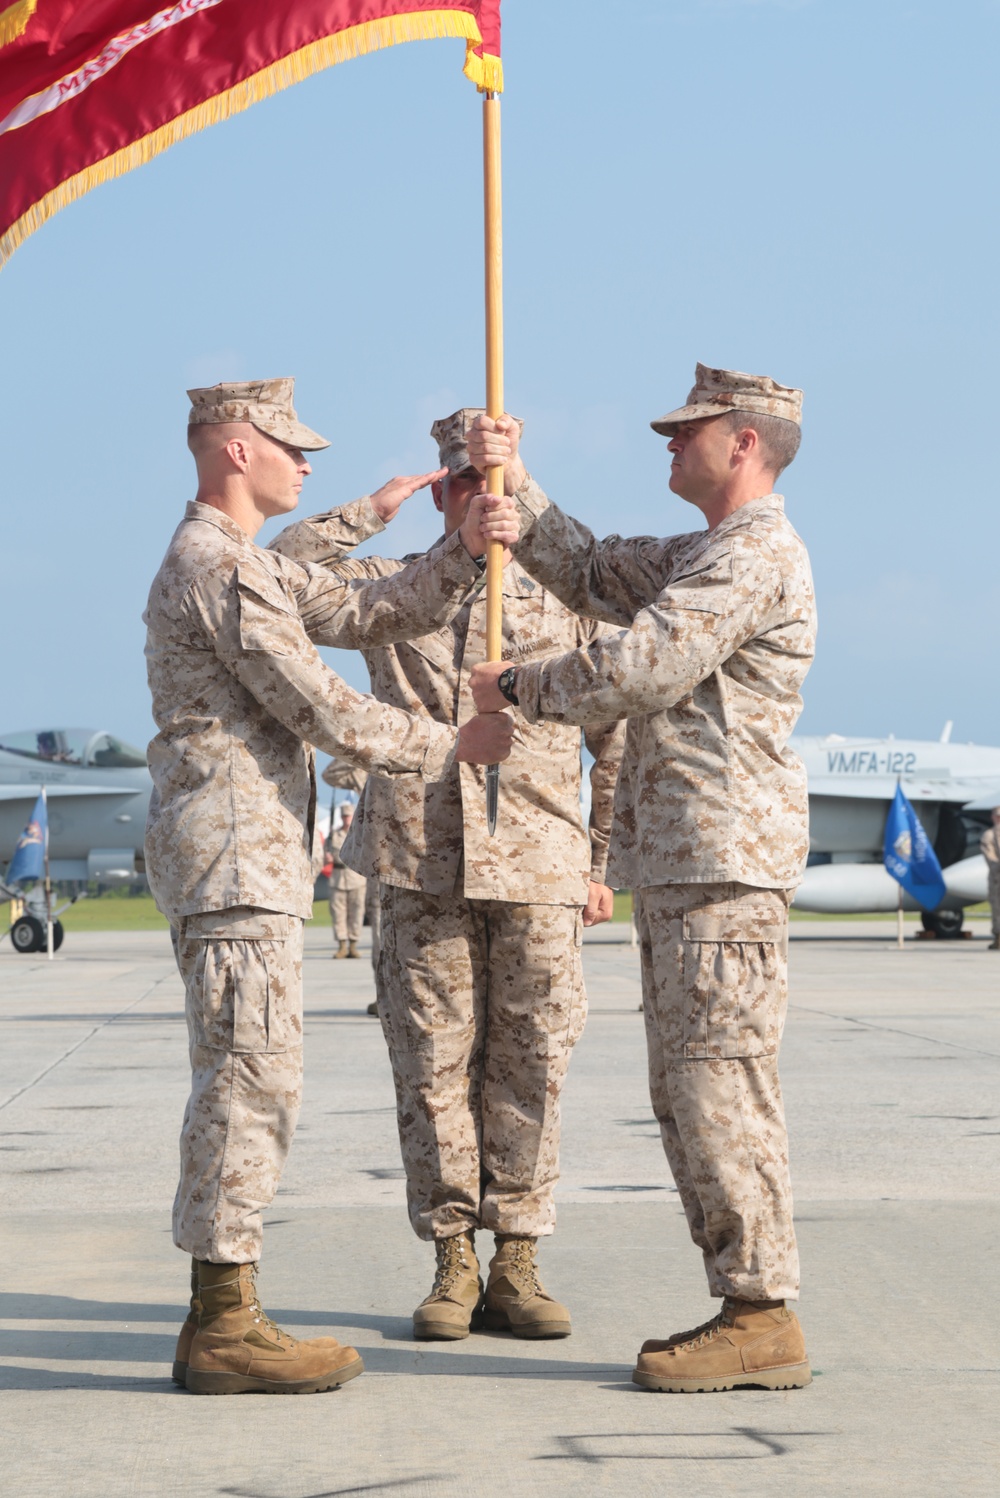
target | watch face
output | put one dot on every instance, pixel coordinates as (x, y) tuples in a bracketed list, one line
[(505, 681)]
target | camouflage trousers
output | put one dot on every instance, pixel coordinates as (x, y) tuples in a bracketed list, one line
[(242, 971), (347, 912), (994, 896), (715, 991), (481, 1003), (373, 915)]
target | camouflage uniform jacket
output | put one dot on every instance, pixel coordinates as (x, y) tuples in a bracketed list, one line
[(426, 837), (717, 632), (238, 687), (989, 847), (342, 876)]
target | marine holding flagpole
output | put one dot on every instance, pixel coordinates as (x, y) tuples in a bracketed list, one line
[(715, 634)]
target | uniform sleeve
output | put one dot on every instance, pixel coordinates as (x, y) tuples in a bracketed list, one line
[(327, 539), (263, 643), (355, 606), (988, 846), (606, 742), (697, 622), (609, 580)]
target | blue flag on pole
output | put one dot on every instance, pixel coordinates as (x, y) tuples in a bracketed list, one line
[(908, 855), (29, 855)]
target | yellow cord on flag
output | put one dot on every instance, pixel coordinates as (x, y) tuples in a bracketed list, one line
[(355, 41), (14, 19)]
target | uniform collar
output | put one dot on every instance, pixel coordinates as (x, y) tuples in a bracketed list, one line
[(747, 512), (211, 516)]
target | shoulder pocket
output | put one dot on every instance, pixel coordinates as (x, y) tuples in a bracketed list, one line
[(268, 621), (705, 588)]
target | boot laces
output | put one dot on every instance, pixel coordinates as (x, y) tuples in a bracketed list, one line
[(702, 1335), (261, 1318), (523, 1256), (451, 1263)]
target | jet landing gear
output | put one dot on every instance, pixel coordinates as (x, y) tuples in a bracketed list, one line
[(946, 925), (28, 935)]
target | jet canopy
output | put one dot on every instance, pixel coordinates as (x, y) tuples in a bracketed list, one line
[(87, 747)]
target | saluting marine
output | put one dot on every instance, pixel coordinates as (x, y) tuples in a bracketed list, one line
[(717, 632), (480, 982), (239, 696)]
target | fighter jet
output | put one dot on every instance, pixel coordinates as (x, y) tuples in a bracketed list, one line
[(98, 791), (953, 788)]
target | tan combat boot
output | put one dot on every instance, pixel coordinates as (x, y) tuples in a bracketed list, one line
[(994, 945), (747, 1345), (341, 951), (180, 1368), (237, 1349), (446, 1315), (352, 949), (515, 1297)]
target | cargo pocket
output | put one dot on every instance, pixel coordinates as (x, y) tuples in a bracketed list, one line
[(735, 987), (247, 991), (578, 1010), (386, 979)]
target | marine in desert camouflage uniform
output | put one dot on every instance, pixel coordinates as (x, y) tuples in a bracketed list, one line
[(717, 632), (344, 776), (347, 890), (239, 696), (481, 992), (989, 845)]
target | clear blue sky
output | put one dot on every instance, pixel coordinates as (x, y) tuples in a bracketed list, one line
[(803, 188)]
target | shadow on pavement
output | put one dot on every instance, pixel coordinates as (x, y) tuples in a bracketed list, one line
[(741, 1443)]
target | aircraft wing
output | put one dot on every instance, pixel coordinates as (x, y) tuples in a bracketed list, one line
[(986, 800), (917, 787), (31, 792)]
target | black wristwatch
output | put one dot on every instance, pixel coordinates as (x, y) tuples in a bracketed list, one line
[(506, 681)]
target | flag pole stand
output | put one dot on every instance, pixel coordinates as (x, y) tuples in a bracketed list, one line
[(494, 396), (899, 917)]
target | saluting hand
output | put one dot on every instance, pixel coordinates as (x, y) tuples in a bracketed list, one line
[(387, 500)]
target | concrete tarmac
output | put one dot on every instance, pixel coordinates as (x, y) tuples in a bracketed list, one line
[(891, 1066)]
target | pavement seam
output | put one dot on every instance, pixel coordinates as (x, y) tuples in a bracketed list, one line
[(864, 1024), (80, 1043)]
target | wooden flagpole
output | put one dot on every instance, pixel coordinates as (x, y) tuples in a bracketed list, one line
[(494, 395)]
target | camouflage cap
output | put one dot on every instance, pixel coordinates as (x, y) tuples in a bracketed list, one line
[(451, 434), (266, 404), (719, 390)]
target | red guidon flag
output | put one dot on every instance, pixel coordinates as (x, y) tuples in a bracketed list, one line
[(90, 89)]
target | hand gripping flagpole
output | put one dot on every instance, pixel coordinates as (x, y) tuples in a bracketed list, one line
[(494, 398)]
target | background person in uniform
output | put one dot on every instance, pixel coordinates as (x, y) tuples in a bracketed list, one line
[(239, 695), (344, 776), (989, 845), (347, 890), (711, 828), (480, 985)]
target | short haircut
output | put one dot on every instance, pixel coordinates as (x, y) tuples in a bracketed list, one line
[(779, 438)]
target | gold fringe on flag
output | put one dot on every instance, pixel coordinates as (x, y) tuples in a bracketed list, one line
[(369, 36), (14, 19)]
